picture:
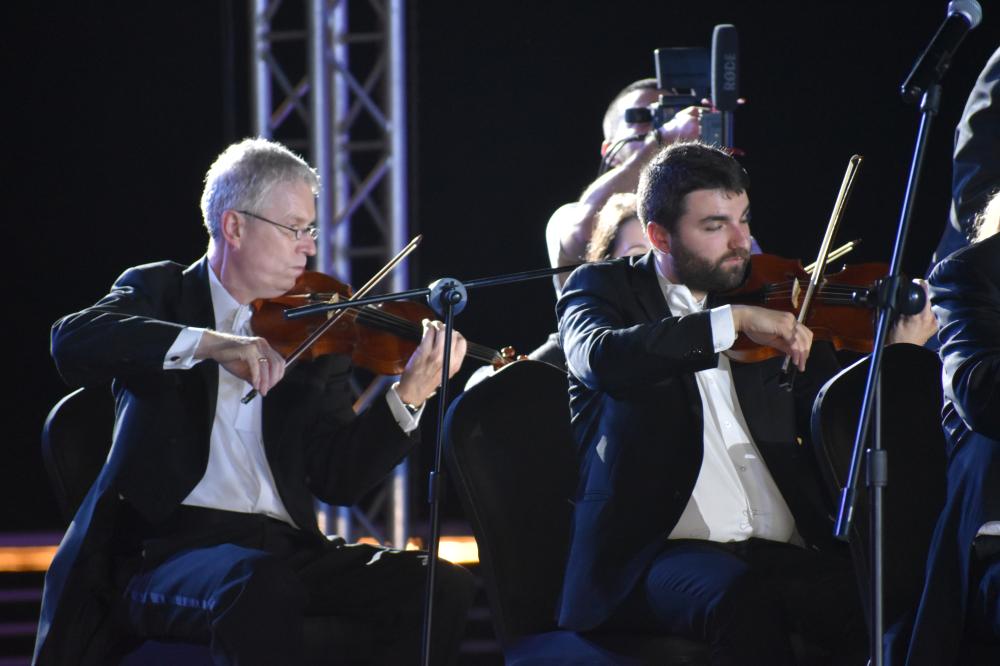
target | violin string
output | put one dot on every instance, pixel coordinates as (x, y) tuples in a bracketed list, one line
[(827, 287), (829, 294), (823, 298), (788, 285), (845, 295), (786, 289), (850, 293)]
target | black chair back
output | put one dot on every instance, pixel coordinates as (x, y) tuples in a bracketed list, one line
[(510, 452), (914, 441), (76, 439)]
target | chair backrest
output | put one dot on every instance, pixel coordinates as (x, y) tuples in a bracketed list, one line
[(510, 451), (76, 439), (914, 441)]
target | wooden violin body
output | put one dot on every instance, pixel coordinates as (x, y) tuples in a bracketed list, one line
[(380, 338), (842, 311)]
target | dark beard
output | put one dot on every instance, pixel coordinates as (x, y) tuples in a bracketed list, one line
[(701, 275)]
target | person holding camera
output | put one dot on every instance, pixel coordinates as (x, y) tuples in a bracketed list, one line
[(570, 227)]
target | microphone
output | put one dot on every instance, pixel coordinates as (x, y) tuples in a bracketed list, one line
[(725, 81), (963, 16), (725, 67)]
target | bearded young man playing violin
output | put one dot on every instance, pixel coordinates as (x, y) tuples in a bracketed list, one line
[(699, 512), (201, 527)]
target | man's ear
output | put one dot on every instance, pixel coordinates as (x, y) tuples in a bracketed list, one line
[(605, 145), (658, 237), (232, 228)]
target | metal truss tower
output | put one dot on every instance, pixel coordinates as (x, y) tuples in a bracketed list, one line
[(335, 89)]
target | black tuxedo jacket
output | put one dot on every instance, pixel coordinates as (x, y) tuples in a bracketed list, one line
[(637, 420), (314, 443), (965, 293)]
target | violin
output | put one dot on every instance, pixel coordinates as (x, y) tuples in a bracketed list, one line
[(380, 338), (842, 310)]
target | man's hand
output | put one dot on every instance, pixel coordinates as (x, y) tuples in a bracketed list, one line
[(915, 329), (422, 375), (685, 126), (778, 330), (250, 358)]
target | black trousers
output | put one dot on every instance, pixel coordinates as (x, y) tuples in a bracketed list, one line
[(746, 599), (249, 585), (984, 599)]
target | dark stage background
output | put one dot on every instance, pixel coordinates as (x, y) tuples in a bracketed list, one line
[(114, 111)]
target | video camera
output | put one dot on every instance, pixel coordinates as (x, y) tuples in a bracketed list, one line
[(694, 74)]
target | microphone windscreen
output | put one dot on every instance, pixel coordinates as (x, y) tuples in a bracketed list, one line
[(725, 67)]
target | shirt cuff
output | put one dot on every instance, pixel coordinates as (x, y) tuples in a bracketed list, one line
[(408, 420), (723, 328), (180, 356)]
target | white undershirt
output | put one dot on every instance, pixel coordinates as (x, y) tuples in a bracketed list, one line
[(238, 477), (735, 497)]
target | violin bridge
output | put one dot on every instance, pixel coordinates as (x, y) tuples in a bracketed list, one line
[(796, 292), (335, 298)]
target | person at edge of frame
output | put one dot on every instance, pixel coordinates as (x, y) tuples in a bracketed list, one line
[(960, 603)]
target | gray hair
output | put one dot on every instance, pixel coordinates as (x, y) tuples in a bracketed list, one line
[(243, 175)]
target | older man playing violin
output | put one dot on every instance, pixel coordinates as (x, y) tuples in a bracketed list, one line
[(200, 527), (698, 511)]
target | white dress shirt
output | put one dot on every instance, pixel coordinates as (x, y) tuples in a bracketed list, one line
[(238, 477), (735, 497)]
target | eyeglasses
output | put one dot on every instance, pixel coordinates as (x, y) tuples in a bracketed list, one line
[(312, 230)]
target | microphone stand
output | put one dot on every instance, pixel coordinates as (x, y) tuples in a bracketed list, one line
[(448, 297), (889, 302)]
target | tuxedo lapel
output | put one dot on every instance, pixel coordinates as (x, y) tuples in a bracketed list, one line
[(195, 309), (653, 305), (646, 288), (753, 400)]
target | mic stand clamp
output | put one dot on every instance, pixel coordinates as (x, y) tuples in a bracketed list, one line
[(447, 293)]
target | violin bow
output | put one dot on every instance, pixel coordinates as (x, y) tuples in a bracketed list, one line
[(333, 318), (837, 253), (819, 266)]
